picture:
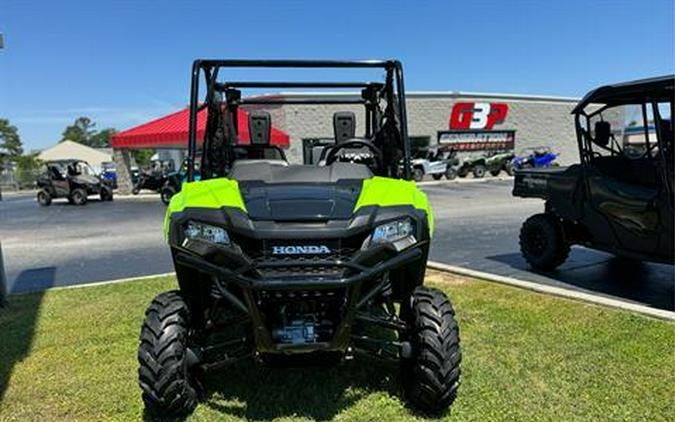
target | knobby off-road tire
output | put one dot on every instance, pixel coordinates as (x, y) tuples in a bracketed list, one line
[(437, 176), (106, 194), (431, 375), (78, 197), (44, 198), (495, 173), (418, 174), (508, 168), (166, 194), (478, 171), (168, 388), (450, 173), (542, 242)]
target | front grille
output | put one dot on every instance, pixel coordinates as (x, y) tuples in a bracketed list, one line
[(282, 266)]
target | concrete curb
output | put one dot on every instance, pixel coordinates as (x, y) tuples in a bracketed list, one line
[(462, 181), (556, 291)]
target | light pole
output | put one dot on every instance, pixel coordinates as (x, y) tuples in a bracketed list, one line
[(3, 279)]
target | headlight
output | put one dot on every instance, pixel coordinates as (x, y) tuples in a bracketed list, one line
[(206, 232), (400, 233)]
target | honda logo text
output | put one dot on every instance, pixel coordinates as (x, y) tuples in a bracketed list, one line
[(300, 250)]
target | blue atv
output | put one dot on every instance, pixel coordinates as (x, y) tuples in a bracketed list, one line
[(538, 157)]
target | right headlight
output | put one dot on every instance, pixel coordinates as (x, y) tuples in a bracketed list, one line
[(400, 233)]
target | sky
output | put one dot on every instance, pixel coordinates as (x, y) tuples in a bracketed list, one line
[(123, 63)]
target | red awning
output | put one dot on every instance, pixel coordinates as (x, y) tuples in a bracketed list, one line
[(172, 131)]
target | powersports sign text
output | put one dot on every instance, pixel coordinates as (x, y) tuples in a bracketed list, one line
[(477, 115), (478, 140)]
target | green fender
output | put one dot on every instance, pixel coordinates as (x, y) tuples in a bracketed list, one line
[(386, 192), (212, 193), (222, 192)]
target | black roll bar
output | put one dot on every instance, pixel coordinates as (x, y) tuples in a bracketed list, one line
[(207, 65)]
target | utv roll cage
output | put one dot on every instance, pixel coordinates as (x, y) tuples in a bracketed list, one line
[(641, 93), (386, 128)]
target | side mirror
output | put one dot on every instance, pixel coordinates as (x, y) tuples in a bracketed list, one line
[(603, 131)]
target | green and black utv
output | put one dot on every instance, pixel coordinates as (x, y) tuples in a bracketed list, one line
[(298, 264)]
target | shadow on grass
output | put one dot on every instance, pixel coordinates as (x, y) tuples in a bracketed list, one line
[(256, 392), (320, 392), (17, 322)]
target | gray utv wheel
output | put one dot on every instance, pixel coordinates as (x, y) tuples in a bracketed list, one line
[(508, 168), (166, 194), (168, 388), (418, 174), (451, 173), (44, 198), (542, 242), (78, 197), (478, 171), (431, 374)]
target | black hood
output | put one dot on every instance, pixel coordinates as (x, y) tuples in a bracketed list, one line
[(300, 201)]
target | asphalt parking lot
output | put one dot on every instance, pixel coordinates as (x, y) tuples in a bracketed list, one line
[(477, 227)]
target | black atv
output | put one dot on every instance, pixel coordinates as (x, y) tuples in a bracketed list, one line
[(619, 198), (71, 179), (174, 182), (153, 178), (292, 264)]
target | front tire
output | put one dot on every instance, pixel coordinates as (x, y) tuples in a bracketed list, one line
[(418, 174), (168, 388), (78, 197), (450, 173), (106, 194), (495, 173), (542, 242), (478, 171), (437, 176), (431, 375), (44, 198), (166, 194)]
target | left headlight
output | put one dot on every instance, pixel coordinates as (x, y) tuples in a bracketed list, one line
[(400, 233), (206, 232)]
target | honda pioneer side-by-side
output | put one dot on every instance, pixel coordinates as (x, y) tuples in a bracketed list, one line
[(296, 264), (74, 180), (619, 198)]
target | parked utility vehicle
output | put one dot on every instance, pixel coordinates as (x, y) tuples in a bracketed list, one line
[(497, 162), (614, 200), (439, 162), (534, 157), (298, 263), (74, 180)]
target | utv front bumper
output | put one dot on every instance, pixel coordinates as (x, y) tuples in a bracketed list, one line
[(325, 295)]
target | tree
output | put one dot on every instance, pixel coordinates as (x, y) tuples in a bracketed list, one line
[(27, 169), (101, 139), (81, 131), (142, 156), (10, 142)]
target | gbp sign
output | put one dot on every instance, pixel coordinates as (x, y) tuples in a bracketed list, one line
[(477, 115)]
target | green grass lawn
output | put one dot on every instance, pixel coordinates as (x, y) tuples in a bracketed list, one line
[(71, 355)]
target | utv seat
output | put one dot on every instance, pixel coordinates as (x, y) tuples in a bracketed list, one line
[(274, 173)]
